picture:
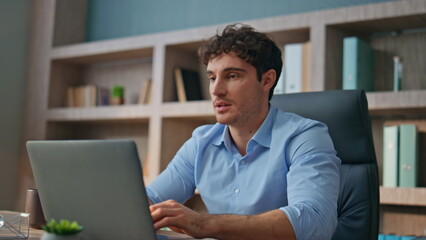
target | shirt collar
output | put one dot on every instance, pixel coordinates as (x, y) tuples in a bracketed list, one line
[(262, 135)]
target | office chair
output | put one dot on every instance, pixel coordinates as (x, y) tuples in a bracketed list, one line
[(346, 114)]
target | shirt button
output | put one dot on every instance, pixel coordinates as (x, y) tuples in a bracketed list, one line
[(237, 190), (243, 162)]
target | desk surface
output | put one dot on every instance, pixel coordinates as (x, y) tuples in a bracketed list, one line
[(35, 234)]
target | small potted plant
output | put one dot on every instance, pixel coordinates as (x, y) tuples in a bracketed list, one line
[(62, 230)]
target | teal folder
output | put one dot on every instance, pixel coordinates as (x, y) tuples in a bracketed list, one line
[(358, 64), (392, 237), (408, 155), (390, 156)]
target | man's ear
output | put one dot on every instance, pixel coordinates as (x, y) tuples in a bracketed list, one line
[(268, 79)]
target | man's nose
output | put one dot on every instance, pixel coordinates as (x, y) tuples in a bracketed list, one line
[(218, 87)]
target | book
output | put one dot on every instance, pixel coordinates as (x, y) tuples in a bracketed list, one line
[(81, 96), (358, 64), (70, 97), (145, 92), (390, 156), (408, 155), (306, 67), (296, 73), (102, 96), (188, 85), (89, 96)]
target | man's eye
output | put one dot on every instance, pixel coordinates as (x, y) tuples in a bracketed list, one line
[(232, 75), (211, 79)]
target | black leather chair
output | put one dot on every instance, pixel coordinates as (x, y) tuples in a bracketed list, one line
[(346, 114)]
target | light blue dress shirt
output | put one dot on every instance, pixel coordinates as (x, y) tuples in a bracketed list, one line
[(290, 165)]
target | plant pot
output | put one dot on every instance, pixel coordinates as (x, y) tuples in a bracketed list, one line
[(51, 236)]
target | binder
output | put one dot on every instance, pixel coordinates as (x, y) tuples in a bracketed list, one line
[(390, 156), (408, 155), (358, 64)]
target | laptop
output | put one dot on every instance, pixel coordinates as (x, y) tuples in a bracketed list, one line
[(98, 183)]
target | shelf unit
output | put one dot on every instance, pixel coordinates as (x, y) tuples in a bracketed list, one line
[(59, 58)]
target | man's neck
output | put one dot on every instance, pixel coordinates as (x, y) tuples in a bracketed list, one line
[(242, 133)]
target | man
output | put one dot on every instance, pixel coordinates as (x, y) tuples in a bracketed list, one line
[(262, 173)]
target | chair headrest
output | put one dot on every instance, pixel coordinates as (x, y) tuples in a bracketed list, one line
[(345, 112)]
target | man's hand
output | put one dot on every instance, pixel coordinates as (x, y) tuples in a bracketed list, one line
[(269, 225), (179, 218)]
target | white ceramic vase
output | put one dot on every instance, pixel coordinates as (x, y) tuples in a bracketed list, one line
[(51, 236)]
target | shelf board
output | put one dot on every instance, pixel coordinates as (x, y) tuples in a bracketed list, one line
[(100, 51), (402, 102), (202, 109), (403, 196), (103, 113)]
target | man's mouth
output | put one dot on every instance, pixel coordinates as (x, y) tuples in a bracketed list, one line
[(221, 106)]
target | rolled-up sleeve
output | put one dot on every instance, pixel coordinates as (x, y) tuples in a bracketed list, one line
[(313, 184)]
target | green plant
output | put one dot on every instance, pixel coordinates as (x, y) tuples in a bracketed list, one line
[(63, 227)]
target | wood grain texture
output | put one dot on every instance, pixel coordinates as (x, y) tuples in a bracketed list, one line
[(70, 22), (403, 196), (402, 220), (35, 105)]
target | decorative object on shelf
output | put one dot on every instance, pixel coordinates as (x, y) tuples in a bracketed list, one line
[(117, 95), (33, 207), (188, 85), (14, 225), (62, 230), (296, 73), (358, 64), (397, 73), (145, 93)]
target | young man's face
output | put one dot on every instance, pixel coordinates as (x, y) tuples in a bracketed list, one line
[(239, 98)]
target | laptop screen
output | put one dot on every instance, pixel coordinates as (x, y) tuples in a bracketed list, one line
[(98, 183)]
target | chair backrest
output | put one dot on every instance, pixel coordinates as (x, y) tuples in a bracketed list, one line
[(346, 114)]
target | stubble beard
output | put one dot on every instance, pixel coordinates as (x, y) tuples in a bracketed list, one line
[(240, 119)]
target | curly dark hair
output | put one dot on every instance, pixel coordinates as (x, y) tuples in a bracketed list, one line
[(256, 48)]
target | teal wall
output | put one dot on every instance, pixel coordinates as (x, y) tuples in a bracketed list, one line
[(115, 18), (13, 48)]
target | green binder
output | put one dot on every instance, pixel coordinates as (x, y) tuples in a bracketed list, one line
[(408, 155), (390, 156), (358, 64)]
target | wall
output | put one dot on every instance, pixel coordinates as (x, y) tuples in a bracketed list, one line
[(14, 15), (112, 19)]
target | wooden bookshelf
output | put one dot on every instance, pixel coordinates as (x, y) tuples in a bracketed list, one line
[(403, 196), (59, 58), (408, 102), (99, 113)]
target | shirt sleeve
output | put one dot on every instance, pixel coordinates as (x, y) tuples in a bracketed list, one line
[(177, 180), (313, 184)]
